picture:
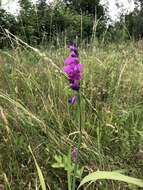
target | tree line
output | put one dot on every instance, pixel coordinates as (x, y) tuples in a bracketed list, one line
[(41, 23)]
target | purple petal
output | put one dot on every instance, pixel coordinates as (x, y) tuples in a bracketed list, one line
[(79, 67), (74, 71), (73, 54), (71, 60), (68, 69), (72, 100), (72, 46), (75, 85)]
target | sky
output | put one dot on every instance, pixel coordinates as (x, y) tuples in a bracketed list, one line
[(13, 6), (113, 11)]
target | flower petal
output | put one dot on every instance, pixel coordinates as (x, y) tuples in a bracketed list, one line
[(72, 100), (72, 60)]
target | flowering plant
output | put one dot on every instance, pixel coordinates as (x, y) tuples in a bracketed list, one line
[(74, 69)]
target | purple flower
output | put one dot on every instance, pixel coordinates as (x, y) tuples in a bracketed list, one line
[(72, 100), (73, 68), (74, 154)]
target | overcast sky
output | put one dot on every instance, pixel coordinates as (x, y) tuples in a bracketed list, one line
[(128, 5)]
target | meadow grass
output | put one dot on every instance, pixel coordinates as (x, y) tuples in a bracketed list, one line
[(34, 111)]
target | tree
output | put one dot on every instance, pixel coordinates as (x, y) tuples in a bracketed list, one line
[(87, 6), (91, 8), (27, 21), (7, 21), (134, 21), (43, 21)]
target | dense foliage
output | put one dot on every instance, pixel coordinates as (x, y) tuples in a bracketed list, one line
[(41, 23), (7, 21), (134, 22), (69, 19)]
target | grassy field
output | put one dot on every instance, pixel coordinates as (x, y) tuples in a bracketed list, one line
[(34, 111)]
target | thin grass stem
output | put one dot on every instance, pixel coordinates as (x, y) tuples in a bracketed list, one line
[(79, 143)]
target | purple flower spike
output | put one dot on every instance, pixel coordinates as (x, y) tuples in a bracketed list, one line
[(73, 100), (74, 154), (73, 68)]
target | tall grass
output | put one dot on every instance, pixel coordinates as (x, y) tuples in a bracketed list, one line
[(34, 110)]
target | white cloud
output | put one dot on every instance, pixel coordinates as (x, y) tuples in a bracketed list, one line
[(114, 12)]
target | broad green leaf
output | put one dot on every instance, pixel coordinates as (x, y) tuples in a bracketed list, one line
[(99, 175), (41, 178)]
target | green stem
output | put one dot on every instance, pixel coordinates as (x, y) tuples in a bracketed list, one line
[(79, 143), (69, 180), (69, 170)]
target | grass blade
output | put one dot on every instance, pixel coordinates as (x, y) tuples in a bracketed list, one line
[(41, 178), (99, 175)]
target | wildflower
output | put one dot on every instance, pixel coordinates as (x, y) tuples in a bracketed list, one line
[(74, 154), (73, 68)]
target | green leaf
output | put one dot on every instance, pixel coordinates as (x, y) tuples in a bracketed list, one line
[(57, 165), (41, 178), (58, 158), (59, 162), (65, 162), (79, 172), (112, 176)]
